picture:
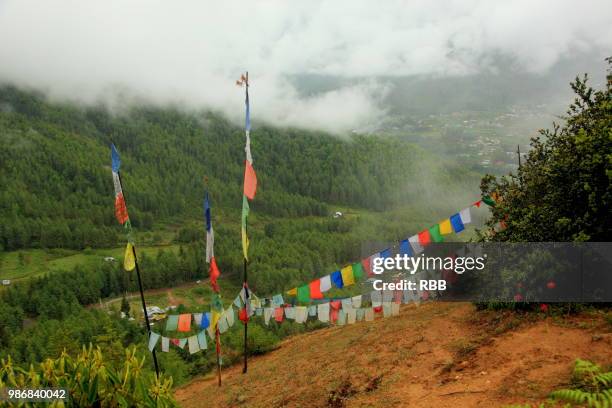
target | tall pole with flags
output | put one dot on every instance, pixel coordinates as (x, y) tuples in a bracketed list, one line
[(249, 188), (130, 260), (214, 273)]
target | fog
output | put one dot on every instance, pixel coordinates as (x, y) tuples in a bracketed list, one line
[(191, 52)]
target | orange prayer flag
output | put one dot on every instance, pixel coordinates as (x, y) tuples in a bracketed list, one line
[(315, 290), (184, 322), (250, 180)]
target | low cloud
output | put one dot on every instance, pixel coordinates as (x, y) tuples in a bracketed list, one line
[(191, 52)]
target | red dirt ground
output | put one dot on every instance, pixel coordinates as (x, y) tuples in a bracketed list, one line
[(435, 355)]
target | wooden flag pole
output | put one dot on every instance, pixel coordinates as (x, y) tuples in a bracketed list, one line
[(246, 320), (218, 347), (142, 298)]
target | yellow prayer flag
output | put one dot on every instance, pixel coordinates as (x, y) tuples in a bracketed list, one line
[(245, 244), (445, 227), (347, 275), (292, 292), (214, 317), (129, 262)]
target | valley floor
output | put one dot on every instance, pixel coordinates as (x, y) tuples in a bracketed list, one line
[(434, 355)]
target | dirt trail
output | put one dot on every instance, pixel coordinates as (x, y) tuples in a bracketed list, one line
[(436, 355)]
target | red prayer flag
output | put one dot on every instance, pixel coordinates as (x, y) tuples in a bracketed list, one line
[(184, 322), (243, 315), (377, 309), (214, 274), (278, 314), (366, 266), (424, 237), (477, 203), (315, 289), (333, 310), (120, 209), (250, 180), (175, 342)]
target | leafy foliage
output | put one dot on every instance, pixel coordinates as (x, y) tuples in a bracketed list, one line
[(591, 386), (563, 191), (91, 381)]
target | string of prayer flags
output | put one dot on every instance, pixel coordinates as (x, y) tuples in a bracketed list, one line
[(184, 322), (336, 278), (434, 233), (347, 275)]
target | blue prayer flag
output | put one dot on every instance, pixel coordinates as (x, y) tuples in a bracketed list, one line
[(336, 277), (205, 320), (405, 248), (115, 158), (386, 253), (456, 222)]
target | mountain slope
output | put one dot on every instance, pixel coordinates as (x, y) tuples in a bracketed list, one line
[(438, 354)]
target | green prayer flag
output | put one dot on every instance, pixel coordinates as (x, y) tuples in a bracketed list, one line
[(172, 323), (303, 294), (488, 201), (357, 271), (434, 233)]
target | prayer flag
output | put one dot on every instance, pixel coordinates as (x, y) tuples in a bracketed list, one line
[(424, 238), (153, 338), (250, 180), (315, 289), (323, 312), (336, 277), (268, 311), (341, 317), (488, 200), (386, 253), (202, 340), (303, 294), (115, 160), (182, 343), (165, 344), (465, 215), (325, 284), (395, 309), (245, 238), (292, 292), (347, 275), (301, 314), (445, 227), (278, 314), (312, 311), (347, 303), (172, 323), (243, 315), (404, 248), (121, 212), (214, 274), (184, 322), (351, 316), (357, 271), (197, 319), (369, 314), (210, 234), (290, 313), (456, 222), (434, 233), (278, 300), (229, 316), (129, 262), (356, 300), (205, 321), (414, 243), (194, 347), (360, 314)]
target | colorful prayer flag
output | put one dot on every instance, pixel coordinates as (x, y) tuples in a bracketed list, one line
[(404, 248), (250, 180), (292, 292), (202, 340), (336, 278), (129, 262), (325, 284), (245, 238), (172, 323), (434, 233), (303, 293), (456, 222), (153, 338), (184, 322), (214, 274), (315, 289), (357, 271), (210, 234), (415, 244), (385, 253), (466, 217), (424, 238), (445, 227), (347, 275)]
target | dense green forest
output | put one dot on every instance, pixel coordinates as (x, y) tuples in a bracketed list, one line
[(57, 190)]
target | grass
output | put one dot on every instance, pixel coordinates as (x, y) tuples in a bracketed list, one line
[(29, 263)]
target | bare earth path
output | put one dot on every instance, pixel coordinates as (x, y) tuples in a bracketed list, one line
[(435, 355)]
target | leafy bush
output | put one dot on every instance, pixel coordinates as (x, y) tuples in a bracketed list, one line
[(91, 382), (591, 386)]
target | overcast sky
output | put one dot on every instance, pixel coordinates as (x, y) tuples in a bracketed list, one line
[(192, 51)]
